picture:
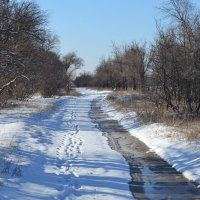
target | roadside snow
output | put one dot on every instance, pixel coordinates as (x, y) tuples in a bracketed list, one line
[(59, 153), (181, 154)]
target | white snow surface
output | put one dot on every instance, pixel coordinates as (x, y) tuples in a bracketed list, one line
[(164, 140), (59, 153)]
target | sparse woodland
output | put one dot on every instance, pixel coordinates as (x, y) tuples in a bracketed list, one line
[(29, 61), (168, 70)]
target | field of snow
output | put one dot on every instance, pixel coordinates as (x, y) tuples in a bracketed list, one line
[(50, 149), (165, 141), (58, 153)]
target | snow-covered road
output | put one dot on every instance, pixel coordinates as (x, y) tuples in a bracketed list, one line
[(59, 154)]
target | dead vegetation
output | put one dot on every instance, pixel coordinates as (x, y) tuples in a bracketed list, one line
[(100, 89), (148, 113), (73, 92)]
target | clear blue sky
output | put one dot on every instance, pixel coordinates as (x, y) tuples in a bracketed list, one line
[(89, 26)]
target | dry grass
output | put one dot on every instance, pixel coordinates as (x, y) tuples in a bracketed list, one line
[(37, 94), (62, 92), (138, 103), (149, 113), (190, 129), (73, 93), (99, 89)]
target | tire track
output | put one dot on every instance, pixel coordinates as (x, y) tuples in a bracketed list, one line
[(152, 177)]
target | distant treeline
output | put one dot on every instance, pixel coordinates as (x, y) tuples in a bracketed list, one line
[(29, 62), (168, 70)]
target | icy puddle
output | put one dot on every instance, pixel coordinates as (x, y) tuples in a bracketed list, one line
[(59, 154)]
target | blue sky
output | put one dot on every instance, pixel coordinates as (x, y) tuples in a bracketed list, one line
[(90, 26)]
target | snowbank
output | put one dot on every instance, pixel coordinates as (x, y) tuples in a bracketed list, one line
[(181, 154)]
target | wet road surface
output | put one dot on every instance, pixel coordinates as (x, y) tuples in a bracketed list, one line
[(152, 177)]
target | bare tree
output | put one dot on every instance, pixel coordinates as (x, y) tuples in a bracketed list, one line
[(127, 67), (21, 30), (176, 60), (71, 63), (84, 80), (25, 46), (138, 60)]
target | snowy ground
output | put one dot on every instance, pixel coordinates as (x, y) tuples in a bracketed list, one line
[(165, 141), (58, 154)]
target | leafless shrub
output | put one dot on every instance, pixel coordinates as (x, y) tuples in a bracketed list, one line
[(28, 62), (176, 56)]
